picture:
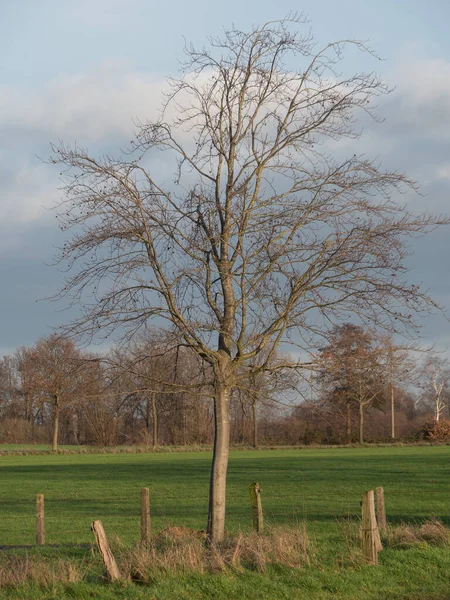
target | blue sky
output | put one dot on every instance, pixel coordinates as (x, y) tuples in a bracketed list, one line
[(84, 70)]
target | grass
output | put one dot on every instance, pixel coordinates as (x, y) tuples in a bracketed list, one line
[(321, 487)]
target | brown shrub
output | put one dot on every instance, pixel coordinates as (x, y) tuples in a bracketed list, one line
[(436, 431), (19, 431)]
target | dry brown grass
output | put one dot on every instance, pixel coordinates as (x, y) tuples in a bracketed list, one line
[(351, 533), (174, 550), (432, 532), (18, 570), (288, 546), (183, 550)]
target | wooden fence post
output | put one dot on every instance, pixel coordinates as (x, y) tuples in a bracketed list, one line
[(381, 510), (40, 520), (145, 516), (257, 512), (107, 555), (370, 537)]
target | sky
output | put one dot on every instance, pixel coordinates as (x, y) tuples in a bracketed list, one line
[(84, 71)]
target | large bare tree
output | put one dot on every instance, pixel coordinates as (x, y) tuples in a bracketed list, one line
[(259, 234)]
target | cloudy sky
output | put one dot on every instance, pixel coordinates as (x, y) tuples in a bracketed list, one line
[(83, 70)]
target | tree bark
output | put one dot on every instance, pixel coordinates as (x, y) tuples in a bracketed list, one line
[(349, 422), (154, 421), (241, 438), (218, 480), (75, 432), (255, 424), (361, 423), (392, 412), (148, 414), (391, 356), (55, 423)]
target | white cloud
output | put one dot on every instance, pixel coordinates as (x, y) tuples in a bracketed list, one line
[(98, 109), (93, 108), (29, 195), (423, 81), (420, 103), (443, 172), (90, 106)]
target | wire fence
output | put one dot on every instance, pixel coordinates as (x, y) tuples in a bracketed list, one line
[(68, 520)]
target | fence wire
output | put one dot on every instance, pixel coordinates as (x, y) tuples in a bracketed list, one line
[(68, 519)]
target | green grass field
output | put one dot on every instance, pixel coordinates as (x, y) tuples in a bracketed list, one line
[(322, 487)]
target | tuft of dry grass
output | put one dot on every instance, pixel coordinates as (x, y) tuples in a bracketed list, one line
[(17, 570), (288, 546), (432, 532), (435, 532), (170, 551), (181, 550)]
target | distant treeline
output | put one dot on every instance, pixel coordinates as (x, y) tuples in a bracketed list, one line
[(359, 387)]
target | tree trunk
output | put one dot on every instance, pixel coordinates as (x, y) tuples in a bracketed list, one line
[(438, 411), (55, 423), (255, 424), (74, 423), (392, 412), (361, 423), (184, 421), (349, 422), (147, 417), (218, 480), (241, 437), (154, 421)]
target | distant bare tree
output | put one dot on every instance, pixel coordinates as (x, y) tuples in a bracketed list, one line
[(352, 371), (50, 376), (259, 232), (23, 360), (11, 398), (434, 381), (263, 391), (400, 369), (164, 379)]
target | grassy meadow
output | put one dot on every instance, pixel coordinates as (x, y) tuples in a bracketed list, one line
[(319, 487)]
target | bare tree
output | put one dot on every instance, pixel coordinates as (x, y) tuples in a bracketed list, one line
[(352, 371), (162, 380), (260, 232), (434, 380), (264, 390), (400, 369), (10, 389), (50, 375)]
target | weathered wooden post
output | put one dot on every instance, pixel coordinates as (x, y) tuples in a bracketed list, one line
[(370, 537), (257, 512), (40, 520), (381, 510), (107, 556), (145, 516)]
